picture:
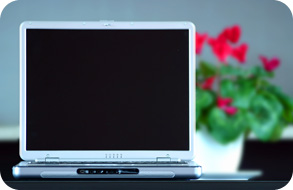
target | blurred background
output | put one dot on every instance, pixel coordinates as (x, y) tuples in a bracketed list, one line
[(266, 26)]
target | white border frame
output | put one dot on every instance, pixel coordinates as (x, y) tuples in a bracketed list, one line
[(106, 155)]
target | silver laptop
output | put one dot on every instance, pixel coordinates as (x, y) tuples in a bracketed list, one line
[(107, 100)]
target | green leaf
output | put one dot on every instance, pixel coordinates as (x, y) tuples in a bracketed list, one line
[(227, 88), (234, 71), (261, 72), (285, 100), (277, 133), (207, 69), (264, 116), (240, 91), (229, 70), (244, 93), (274, 102), (204, 98), (225, 128)]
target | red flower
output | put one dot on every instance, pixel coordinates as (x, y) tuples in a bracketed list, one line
[(224, 104), (239, 52), (232, 34), (220, 48), (200, 39), (270, 65), (230, 110), (208, 83)]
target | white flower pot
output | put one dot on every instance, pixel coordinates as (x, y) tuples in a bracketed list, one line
[(215, 157)]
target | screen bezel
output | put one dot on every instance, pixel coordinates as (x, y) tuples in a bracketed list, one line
[(96, 154)]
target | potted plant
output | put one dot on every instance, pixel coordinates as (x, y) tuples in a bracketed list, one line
[(233, 100)]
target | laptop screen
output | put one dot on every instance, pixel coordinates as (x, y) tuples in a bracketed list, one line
[(107, 89)]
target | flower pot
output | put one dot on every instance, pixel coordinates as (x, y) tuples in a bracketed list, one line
[(215, 157)]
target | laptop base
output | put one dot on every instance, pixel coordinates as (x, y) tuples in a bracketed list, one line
[(88, 171)]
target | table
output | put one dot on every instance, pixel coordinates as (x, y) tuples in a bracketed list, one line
[(145, 184)]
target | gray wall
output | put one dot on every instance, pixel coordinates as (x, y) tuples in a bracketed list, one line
[(267, 27)]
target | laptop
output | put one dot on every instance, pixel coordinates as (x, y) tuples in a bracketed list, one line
[(107, 99)]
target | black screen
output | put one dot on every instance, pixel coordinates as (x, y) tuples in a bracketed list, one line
[(107, 89)]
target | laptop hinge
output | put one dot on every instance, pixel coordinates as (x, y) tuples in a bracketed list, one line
[(163, 159), (52, 159)]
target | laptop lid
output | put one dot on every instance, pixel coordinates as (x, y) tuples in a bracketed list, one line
[(107, 90)]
